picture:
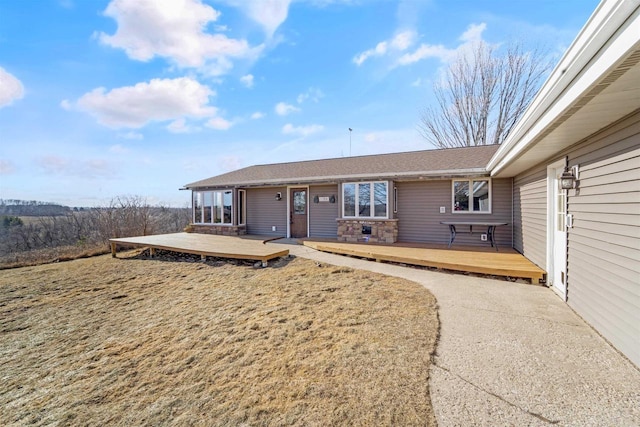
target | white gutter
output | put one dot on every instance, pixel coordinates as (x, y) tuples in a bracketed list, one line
[(302, 179), (574, 75)]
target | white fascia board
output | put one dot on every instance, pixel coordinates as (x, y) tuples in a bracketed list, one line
[(573, 76)]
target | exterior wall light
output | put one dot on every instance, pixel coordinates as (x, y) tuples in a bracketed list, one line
[(567, 179), (278, 196)]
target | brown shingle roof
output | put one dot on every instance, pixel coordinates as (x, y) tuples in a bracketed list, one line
[(427, 163)]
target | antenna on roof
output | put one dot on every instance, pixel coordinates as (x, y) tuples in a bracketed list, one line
[(350, 130)]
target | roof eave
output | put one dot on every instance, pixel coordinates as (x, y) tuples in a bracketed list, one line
[(567, 84), (470, 172)]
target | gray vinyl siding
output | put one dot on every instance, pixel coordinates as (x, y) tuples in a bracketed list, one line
[(603, 251), (264, 211), (322, 215), (530, 215), (419, 214)]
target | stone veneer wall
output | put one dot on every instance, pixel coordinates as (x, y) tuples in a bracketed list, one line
[(382, 230), (221, 230)]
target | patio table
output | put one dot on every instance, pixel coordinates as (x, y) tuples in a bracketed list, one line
[(491, 228)]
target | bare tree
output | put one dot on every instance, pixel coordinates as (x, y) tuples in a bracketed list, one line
[(482, 95)]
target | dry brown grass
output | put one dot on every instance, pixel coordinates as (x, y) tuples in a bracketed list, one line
[(105, 341), (50, 255)]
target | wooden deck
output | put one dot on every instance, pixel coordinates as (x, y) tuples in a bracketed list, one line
[(251, 248), (506, 262)]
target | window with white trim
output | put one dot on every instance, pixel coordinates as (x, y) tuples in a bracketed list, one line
[(471, 196), (213, 207), (365, 200)]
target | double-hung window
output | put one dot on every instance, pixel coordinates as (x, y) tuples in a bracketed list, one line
[(365, 200), (213, 207), (471, 196)]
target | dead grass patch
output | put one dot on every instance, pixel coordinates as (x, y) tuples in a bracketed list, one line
[(105, 341)]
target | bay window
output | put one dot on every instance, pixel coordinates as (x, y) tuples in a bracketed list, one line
[(365, 200)]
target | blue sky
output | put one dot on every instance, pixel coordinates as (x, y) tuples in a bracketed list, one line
[(100, 99)]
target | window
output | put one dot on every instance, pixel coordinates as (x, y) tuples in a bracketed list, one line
[(212, 207), (471, 196), (300, 202), (370, 199)]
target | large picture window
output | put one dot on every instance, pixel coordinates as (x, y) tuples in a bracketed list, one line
[(213, 207), (364, 200), (471, 196)]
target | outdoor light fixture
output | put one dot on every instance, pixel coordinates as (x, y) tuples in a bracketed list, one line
[(567, 179), (332, 199), (278, 196)]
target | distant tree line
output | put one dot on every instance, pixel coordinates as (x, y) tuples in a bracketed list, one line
[(13, 207), (123, 217)]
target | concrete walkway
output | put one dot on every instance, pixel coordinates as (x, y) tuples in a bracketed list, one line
[(514, 354)]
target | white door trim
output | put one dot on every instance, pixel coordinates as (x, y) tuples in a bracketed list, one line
[(552, 186)]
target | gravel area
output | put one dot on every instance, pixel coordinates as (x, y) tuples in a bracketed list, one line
[(515, 354)]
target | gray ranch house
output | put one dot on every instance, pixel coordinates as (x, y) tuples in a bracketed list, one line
[(583, 127)]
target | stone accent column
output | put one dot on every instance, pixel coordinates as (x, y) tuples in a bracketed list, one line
[(382, 230)]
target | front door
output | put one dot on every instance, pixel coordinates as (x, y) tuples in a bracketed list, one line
[(298, 212), (558, 234)]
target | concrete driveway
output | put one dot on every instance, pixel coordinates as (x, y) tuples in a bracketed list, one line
[(514, 354)]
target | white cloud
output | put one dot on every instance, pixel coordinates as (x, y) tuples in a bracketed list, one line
[(283, 109), (426, 51), (269, 14), (179, 126), (175, 30), (247, 80), (131, 135), (257, 115), (65, 104), (473, 33), (313, 94), (219, 123), (400, 42), (158, 100), (302, 131), (11, 88)]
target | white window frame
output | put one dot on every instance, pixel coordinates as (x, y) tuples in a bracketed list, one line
[(242, 197), (200, 195), (372, 200), (470, 182)]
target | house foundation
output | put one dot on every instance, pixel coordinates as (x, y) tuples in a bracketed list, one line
[(219, 230)]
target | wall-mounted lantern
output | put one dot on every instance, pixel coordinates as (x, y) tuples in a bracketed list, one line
[(278, 196), (568, 178), (332, 199), (316, 199)]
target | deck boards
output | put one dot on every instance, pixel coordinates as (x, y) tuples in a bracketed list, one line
[(251, 248), (507, 262)]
